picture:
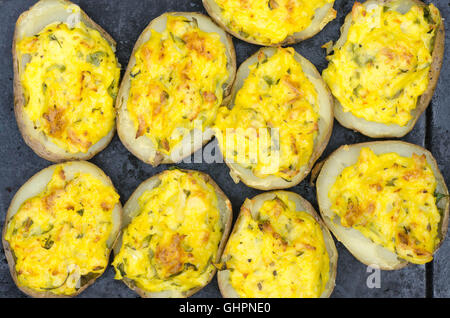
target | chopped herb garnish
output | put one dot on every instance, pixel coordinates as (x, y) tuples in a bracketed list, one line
[(95, 58), (53, 37), (146, 240), (439, 196), (194, 22), (268, 80), (151, 254), (48, 230), (48, 243), (120, 268), (59, 67), (112, 90), (427, 14), (190, 265), (356, 90), (176, 38), (397, 94), (243, 34), (135, 74), (27, 223), (391, 183), (84, 279)]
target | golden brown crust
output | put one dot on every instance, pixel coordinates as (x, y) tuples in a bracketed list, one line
[(121, 101), (227, 214), (30, 136), (348, 120), (381, 147), (292, 39), (225, 287), (10, 254)]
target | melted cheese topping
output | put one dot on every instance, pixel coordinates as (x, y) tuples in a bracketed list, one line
[(269, 22), (173, 240), (59, 237), (177, 82), (382, 69), (279, 253), (70, 84), (391, 200), (275, 116)]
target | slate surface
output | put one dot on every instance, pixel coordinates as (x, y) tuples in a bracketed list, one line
[(124, 20)]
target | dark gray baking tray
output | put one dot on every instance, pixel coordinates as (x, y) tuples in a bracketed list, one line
[(124, 20)]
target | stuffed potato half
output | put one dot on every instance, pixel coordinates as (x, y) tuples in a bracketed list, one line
[(386, 201), (279, 247), (385, 66), (175, 227), (66, 76), (181, 70), (278, 122), (60, 228), (274, 22)]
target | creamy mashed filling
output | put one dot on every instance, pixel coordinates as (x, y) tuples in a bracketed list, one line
[(177, 83), (172, 241), (274, 121), (70, 84), (391, 200), (269, 21), (278, 253), (59, 237)]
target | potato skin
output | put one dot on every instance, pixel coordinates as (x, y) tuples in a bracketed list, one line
[(225, 287), (129, 141), (152, 183), (380, 147), (290, 40), (32, 138), (8, 251), (321, 142), (380, 130)]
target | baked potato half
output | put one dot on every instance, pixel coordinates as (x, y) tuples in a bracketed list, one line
[(271, 23), (398, 214), (60, 229), (385, 66), (279, 92), (181, 70), (279, 247), (175, 227), (66, 76)]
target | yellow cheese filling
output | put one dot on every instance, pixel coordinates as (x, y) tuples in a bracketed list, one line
[(269, 21), (383, 67), (70, 84), (274, 121), (173, 240), (278, 253), (391, 200), (177, 82), (59, 237)]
